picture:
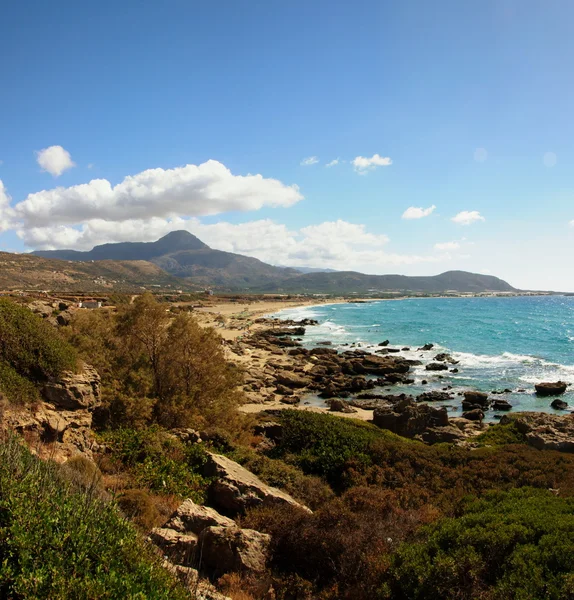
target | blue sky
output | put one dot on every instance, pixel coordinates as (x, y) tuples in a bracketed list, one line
[(466, 106)]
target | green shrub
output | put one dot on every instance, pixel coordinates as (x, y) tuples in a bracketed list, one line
[(501, 435), (16, 388), (59, 543), (30, 345), (139, 507), (160, 462), (507, 545)]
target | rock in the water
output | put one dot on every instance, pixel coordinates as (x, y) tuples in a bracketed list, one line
[(434, 396), (551, 389), (426, 347), (237, 489), (443, 357), (73, 391), (225, 549), (500, 404), (479, 399), (559, 404), (435, 366)]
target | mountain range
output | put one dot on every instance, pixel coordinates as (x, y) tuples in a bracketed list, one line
[(182, 255)]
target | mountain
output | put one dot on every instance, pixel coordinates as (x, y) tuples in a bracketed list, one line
[(314, 270), (350, 281), (184, 256), (181, 254)]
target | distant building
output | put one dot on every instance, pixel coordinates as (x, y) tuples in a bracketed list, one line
[(89, 304)]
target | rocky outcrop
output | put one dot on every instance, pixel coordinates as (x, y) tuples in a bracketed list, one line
[(193, 518), (544, 431), (443, 357), (474, 400), (235, 488), (551, 389), (338, 405), (410, 419), (436, 366), (74, 391), (559, 404), (500, 404), (225, 549), (434, 396), (179, 548)]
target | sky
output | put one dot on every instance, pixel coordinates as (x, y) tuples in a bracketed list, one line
[(385, 137)]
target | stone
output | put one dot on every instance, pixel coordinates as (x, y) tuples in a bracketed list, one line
[(385, 343), (225, 549), (479, 399), (179, 548), (443, 357), (559, 404), (500, 404), (473, 415), (338, 405), (290, 400), (551, 389), (435, 366), (292, 380), (237, 489), (193, 518), (73, 391), (544, 431), (426, 347), (434, 396), (442, 435)]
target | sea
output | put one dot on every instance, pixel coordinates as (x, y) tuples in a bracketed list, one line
[(500, 342)]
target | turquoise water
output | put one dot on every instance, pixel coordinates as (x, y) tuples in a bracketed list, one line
[(500, 342)]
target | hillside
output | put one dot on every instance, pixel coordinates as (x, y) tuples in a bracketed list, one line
[(25, 271), (183, 255), (350, 281)]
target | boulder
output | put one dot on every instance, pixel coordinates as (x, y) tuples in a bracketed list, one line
[(426, 347), (545, 431), (473, 415), (434, 396), (225, 549), (290, 400), (74, 391), (443, 357), (292, 380), (193, 518), (559, 404), (551, 389), (338, 405), (237, 489), (442, 435), (409, 419), (179, 548), (436, 366), (500, 404), (479, 399)]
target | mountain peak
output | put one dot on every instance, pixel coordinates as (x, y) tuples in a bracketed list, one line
[(180, 240)]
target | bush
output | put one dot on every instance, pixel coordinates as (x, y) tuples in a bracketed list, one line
[(82, 472), (30, 345), (501, 435), (507, 545), (139, 507), (59, 543), (160, 462)]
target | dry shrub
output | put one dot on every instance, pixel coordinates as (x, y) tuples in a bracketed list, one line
[(139, 506), (84, 473)]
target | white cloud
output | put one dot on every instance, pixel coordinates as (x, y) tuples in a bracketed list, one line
[(363, 164), (335, 244), (311, 160), (447, 246), (418, 213), (333, 163), (5, 210), (191, 190), (467, 217), (55, 160)]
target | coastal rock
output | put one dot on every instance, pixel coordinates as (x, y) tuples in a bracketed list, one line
[(237, 489), (426, 347), (435, 366), (290, 400), (500, 404), (443, 357), (473, 415), (545, 431), (475, 399), (409, 419), (73, 391), (559, 404), (337, 405), (292, 380), (434, 396), (225, 549), (442, 435), (551, 389), (385, 343)]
